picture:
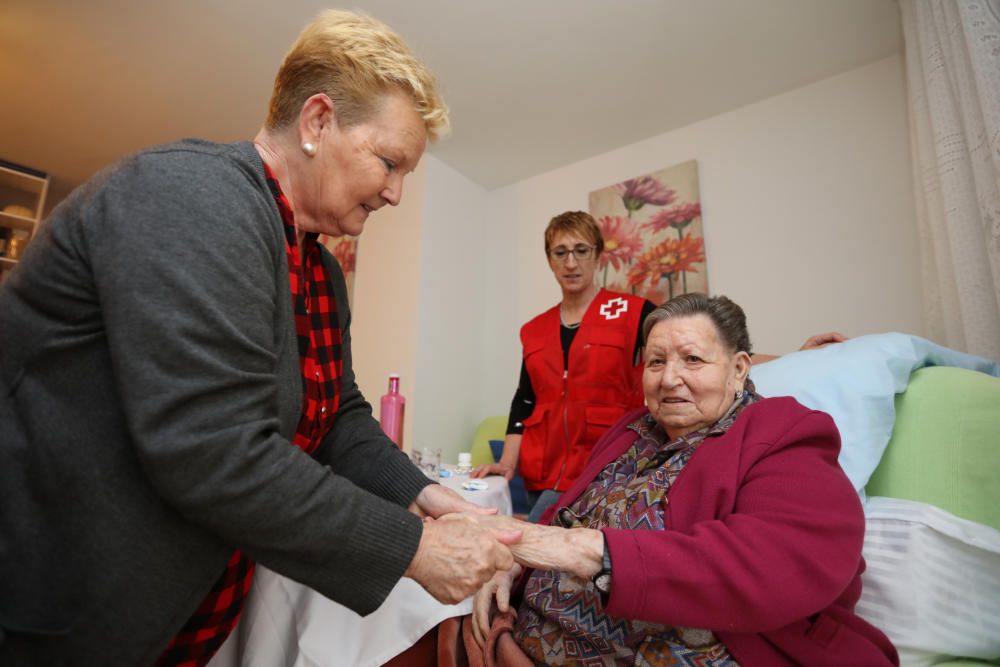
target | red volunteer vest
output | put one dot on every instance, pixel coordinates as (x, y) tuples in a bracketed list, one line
[(573, 408)]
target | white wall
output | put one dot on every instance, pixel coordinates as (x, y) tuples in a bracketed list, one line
[(808, 212), (450, 357), (418, 306), (386, 297)]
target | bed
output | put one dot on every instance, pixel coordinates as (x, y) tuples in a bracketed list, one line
[(920, 426)]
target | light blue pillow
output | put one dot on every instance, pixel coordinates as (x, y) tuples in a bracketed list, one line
[(856, 383)]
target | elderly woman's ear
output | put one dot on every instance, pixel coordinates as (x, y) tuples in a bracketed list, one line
[(743, 363)]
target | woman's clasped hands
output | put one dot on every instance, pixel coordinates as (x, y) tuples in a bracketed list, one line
[(457, 554), (575, 550)]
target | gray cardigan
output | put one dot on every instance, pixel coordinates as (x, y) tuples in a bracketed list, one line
[(149, 387)]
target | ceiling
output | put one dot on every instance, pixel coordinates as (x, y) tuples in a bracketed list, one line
[(532, 84)]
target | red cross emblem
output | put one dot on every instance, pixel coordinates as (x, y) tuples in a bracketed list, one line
[(614, 308)]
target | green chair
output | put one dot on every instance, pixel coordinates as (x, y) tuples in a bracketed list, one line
[(491, 428), (494, 429)]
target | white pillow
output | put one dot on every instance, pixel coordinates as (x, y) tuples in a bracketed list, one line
[(856, 383), (932, 583)]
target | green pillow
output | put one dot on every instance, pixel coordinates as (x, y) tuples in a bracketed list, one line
[(945, 445)]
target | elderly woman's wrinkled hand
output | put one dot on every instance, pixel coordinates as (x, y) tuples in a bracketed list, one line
[(575, 550), (456, 556), (497, 588), (822, 340)]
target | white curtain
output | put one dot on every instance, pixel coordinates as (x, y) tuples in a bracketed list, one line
[(953, 79)]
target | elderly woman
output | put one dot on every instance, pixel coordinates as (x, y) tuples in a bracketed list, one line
[(176, 394), (713, 527)]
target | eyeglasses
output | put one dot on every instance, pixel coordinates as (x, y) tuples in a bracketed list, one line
[(580, 251)]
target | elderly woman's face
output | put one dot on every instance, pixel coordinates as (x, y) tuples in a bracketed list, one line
[(359, 169), (690, 378)]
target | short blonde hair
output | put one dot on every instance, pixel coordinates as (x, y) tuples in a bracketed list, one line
[(574, 222), (355, 60)]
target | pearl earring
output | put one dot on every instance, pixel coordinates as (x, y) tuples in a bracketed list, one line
[(309, 148)]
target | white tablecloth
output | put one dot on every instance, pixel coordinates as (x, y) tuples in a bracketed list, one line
[(497, 495), (285, 624)]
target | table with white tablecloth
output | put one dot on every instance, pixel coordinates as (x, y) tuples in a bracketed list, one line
[(496, 494), (287, 624)]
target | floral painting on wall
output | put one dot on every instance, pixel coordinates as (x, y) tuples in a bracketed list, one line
[(653, 241), (345, 249)]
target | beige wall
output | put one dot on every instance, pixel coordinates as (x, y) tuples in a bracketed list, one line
[(384, 316)]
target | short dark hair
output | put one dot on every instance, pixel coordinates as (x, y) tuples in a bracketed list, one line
[(729, 319), (575, 222)]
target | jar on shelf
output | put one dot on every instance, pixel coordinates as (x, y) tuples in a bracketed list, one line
[(15, 245)]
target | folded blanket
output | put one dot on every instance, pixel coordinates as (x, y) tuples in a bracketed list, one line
[(932, 583)]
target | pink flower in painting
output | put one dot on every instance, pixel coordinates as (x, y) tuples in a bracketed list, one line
[(622, 241), (677, 217), (666, 259), (637, 192)]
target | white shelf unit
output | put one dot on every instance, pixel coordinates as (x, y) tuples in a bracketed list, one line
[(23, 187)]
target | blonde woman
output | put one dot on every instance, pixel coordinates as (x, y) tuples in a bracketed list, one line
[(177, 400)]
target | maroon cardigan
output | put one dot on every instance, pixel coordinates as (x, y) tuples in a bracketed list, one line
[(762, 546)]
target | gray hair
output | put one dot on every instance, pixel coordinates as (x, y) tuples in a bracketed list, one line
[(729, 319)]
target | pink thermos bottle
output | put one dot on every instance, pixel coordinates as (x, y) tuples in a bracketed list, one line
[(391, 411)]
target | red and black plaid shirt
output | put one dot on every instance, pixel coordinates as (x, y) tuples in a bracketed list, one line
[(320, 358)]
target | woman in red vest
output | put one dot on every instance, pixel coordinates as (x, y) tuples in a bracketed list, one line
[(581, 371)]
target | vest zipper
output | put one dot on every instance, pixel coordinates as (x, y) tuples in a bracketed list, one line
[(565, 420)]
